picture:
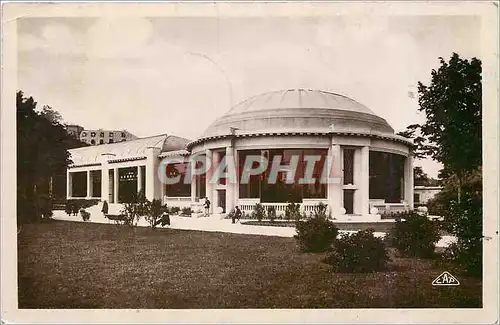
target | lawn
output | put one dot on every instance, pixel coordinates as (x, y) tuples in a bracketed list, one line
[(85, 265)]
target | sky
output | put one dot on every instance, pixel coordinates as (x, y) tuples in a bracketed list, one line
[(176, 75)]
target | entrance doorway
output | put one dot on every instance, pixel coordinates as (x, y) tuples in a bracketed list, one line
[(221, 199)]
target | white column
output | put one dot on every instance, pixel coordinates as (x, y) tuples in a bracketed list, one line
[(358, 181), (139, 179), (334, 190), (69, 184), (215, 163), (408, 181), (89, 184), (163, 193), (238, 174), (230, 185), (208, 184), (104, 181), (153, 183), (364, 186), (116, 179)]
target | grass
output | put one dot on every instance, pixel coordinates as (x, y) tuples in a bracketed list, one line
[(84, 265)]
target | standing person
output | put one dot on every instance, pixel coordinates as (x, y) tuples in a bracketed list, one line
[(105, 208), (207, 206), (237, 214)]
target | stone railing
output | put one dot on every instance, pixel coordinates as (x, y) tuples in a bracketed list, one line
[(307, 206), (386, 208), (180, 202)]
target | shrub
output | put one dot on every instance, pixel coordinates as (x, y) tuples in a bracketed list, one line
[(315, 234), (292, 211), (231, 214), (271, 213), (130, 212), (320, 211), (45, 206), (465, 221), (85, 215), (175, 210), (358, 253), (415, 236), (186, 211), (156, 213), (73, 206), (258, 212)]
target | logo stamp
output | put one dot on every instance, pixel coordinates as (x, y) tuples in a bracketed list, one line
[(445, 279)]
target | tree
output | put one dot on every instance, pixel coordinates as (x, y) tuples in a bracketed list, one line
[(420, 178), (42, 144), (452, 133)]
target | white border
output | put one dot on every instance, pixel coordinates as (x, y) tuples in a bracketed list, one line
[(487, 10)]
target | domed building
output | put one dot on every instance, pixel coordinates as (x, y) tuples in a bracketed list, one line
[(371, 165), (319, 147)]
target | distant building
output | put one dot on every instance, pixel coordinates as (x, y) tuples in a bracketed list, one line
[(96, 137), (422, 194), (74, 130)]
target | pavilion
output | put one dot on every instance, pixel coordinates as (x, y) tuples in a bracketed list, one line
[(373, 165)]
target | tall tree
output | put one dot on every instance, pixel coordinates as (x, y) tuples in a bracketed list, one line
[(452, 132), (42, 144)]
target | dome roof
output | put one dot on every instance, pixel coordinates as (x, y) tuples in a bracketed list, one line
[(299, 109)]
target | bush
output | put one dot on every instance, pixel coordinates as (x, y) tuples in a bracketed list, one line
[(74, 206), (292, 211), (320, 211), (271, 213), (85, 215), (156, 213), (315, 234), (416, 236), (45, 206), (130, 212), (186, 211), (359, 253), (465, 221), (175, 210), (258, 212)]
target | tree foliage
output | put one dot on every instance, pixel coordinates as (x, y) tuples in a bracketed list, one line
[(422, 179), (42, 144), (452, 135), (452, 105)]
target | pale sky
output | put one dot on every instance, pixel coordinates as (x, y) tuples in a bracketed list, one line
[(177, 75)]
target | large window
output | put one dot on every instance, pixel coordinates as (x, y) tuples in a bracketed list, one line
[(179, 189), (261, 186), (96, 183), (127, 190), (253, 187), (79, 184), (386, 176), (348, 166)]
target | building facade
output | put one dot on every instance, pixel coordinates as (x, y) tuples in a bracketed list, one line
[(74, 130), (100, 136), (371, 168), (422, 194)]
